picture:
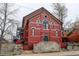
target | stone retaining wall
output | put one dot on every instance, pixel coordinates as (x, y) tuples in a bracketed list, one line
[(10, 49)]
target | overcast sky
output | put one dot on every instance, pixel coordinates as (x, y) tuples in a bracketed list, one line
[(25, 9)]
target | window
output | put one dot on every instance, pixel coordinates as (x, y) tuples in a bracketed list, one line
[(56, 33), (33, 31), (45, 24), (39, 21), (45, 16)]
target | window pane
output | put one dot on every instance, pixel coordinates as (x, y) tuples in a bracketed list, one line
[(45, 24)]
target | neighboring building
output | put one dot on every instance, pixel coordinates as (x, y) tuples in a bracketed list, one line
[(41, 25), (73, 36)]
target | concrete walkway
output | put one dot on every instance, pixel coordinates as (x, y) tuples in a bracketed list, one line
[(66, 53)]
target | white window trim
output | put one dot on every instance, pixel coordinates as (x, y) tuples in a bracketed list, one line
[(33, 31), (56, 32)]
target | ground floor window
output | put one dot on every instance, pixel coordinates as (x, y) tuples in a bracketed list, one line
[(45, 38)]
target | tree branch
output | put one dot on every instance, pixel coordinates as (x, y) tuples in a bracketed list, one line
[(12, 12)]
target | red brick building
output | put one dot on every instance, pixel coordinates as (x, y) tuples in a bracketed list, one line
[(41, 25), (74, 36)]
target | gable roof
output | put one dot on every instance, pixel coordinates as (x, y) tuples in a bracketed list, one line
[(29, 16)]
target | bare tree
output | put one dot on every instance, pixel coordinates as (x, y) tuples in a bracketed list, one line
[(7, 20), (74, 26), (61, 12)]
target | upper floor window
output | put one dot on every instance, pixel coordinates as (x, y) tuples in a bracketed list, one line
[(56, 33), (33, 31), (45, 16), (39, 21), (45, 24)]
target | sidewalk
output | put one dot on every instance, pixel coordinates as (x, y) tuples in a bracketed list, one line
[(66, 53)]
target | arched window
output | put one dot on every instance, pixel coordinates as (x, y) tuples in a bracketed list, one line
[(56, 33), (33, 31), (45, 24)]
